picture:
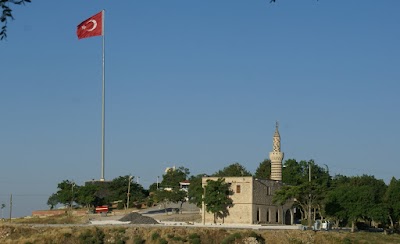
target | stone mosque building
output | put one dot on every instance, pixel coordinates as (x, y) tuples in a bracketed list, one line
[(252, 197)]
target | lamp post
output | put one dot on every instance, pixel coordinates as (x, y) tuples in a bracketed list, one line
[(157, 181), (72, 196), (129, 191), (309, 195)]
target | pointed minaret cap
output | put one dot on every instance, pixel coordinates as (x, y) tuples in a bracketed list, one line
[(276, 139), (276, 130)]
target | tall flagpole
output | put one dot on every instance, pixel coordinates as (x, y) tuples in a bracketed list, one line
[(103, 107)]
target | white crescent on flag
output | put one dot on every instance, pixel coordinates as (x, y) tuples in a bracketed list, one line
[(94, 24)]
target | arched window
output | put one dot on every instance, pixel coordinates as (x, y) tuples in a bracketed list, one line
[(268, 215), (277, 216)]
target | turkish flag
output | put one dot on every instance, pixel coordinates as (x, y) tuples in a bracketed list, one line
[(91, 27)]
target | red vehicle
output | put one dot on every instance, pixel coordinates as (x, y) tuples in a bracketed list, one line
[(101, 209)]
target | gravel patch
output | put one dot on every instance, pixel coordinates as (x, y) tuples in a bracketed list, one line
[(136, 218)]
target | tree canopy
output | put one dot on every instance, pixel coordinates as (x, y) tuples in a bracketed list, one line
[(7, 14), (173, 177), (360, 197), (264, 170), (340, 198), (216, 198), (195, 192), (235, 169)]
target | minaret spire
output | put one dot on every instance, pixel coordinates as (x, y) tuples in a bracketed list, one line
[(276, 156)]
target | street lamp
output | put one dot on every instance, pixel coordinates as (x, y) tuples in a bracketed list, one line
[(129, 191), (309, 195)]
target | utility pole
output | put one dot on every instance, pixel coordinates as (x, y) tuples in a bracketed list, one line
[(72, 196), (203, 207), (309, 195), (129, 191), (10, 207), (157, 181)]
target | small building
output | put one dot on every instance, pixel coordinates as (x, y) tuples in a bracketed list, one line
[(184, 185), (252, 202), (252, 198)]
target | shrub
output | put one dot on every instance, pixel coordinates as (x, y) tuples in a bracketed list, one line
[(347, 241), (163, 241), (155, 236), (194, 239), (89, 238), (231, 238), (138, 240)]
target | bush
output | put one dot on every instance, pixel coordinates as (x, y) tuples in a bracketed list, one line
[(155, 236), (347, 241), (138, 240), (231, 238), (194, 239), (89, 238), (194, 236), (163, 241)]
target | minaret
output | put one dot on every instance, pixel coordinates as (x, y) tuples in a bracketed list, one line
[(276, 157)]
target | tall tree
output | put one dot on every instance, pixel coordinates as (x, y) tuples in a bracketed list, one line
[(306, 193), (86, 195), (119, 190), (170, 196), (264, 170), (392, 201), (52, 201), (65, 193), (235, 169), (173, 176), (195, 192), (217, 198), (360, 197), (7, 14)]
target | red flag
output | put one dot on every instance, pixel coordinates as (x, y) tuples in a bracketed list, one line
[(91, 27)]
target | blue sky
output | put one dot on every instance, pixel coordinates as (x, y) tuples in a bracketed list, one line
[(197, 84)]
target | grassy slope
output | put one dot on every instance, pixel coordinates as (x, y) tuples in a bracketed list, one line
[(123, 234), (25, 231)]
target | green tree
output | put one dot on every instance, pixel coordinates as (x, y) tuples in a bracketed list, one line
[(52, 201), (170, 196), (392, 201), (7, 14), (195, 191), (173, 176), (119, 191), (153, 187), (306, 193), (86, 195), (217, 198), (65, 193), (360, 197), (2, 207), (264, 170), (235, 169)]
